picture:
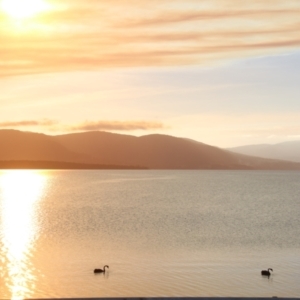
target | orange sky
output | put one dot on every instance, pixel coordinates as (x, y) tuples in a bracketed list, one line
[(187, 68)]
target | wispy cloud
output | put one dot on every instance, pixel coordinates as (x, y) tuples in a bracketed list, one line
[(25, 123), (88, 35), (178, 16), (85, 126), (116, 125)]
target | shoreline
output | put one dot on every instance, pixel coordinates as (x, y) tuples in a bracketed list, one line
[(170, 298)]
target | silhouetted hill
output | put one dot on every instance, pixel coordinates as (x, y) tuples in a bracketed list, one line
[(284, 151), (18, 145), (161, 152), (108, 149), (152, 151)]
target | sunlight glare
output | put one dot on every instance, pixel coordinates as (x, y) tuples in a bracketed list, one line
[(22, 9), (19, 193)]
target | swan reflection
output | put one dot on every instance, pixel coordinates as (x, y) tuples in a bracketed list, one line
[(20, 192)]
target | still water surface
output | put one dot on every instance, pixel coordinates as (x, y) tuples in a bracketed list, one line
[(162, 233)]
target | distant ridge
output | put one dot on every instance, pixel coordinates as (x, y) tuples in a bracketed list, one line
[(101, 150), (284, 151), (19, 145)]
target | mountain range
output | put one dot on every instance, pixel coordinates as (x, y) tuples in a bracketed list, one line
[(97, 149), (284, 151)]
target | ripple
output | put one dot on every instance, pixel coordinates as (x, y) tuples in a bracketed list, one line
[(165, 234)]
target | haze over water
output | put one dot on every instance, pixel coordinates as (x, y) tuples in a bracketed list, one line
[(162, 233)]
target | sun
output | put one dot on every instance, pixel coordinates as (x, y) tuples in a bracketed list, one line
[(23, 9)]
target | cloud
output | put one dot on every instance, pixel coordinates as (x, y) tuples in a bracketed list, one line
[(85, 126), (116, 125), (88, 35), (25, 123), (208, 15)]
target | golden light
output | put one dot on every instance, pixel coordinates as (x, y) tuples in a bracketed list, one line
[(22, 9), (20, 192)]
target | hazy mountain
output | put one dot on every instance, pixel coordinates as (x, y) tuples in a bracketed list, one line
[(18, 145), (284, 151), (103, 148), (152, 151)]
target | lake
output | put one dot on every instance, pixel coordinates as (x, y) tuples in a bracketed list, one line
[(162, 233)]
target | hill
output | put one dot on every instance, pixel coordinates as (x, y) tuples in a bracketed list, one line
[(18, 145), (122, 151), (284, 151), (152, 151)]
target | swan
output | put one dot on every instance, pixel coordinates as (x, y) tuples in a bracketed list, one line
[(101, 270), (266, 272)]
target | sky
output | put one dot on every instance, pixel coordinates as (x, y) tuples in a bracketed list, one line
[(222, 72)]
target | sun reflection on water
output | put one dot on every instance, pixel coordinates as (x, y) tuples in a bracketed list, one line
[(20, 191)]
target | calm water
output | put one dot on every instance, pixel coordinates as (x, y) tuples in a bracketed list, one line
[(162, 233)]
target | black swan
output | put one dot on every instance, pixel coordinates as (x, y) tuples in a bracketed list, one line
[(266, 272), (101, 270)]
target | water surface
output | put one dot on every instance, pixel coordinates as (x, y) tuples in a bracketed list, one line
[(162, 233)]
